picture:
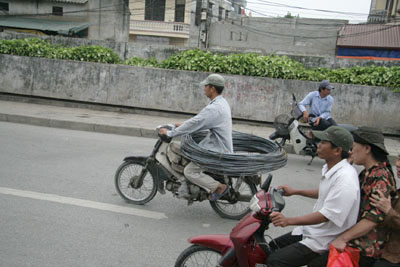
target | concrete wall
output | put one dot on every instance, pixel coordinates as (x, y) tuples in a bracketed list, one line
[(250, 98), (109, 20), (276, 35), (160, 52)]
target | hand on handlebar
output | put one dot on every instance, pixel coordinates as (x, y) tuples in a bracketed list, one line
[(317, 121), (278, 219), (163, 131), (287, 190)]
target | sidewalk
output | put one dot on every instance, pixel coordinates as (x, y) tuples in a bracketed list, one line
[(87, 119)]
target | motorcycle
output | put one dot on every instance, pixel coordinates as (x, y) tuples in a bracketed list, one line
[(289, 128), (245, 246), (138, 179)]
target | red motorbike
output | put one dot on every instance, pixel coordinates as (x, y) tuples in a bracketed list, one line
[(245, 246)]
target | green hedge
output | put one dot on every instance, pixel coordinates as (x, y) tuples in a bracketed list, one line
[(279, 67), (34, 47)]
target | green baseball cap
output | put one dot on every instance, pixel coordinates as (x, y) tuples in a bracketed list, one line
[(338, 136), (214, 79), (370, 136)]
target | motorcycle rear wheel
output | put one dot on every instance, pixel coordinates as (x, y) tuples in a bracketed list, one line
[(198, 256), (235, 211), (123, 177)]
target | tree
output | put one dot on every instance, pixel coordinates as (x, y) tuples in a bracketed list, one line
[(288, 15)]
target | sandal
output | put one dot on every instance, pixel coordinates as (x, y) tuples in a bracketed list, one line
[(215, 196)]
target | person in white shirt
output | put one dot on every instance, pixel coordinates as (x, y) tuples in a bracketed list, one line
[(336, 209)]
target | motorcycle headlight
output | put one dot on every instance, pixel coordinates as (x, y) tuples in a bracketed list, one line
[(254, 204)]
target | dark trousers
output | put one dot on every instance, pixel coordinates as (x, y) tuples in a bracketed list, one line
[(322, 261), (289, 252), (324, 124), (385, 263)]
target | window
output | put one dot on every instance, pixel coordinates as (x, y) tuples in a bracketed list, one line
[(226, 14), (57, 11), (387, 4), (220, 12), (154, 10), (198, 13), (4, 6), (179, 10)]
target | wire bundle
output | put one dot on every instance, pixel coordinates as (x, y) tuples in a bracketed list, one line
[(260, 155)]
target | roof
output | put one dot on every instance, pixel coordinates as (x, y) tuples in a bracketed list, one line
[(61, 27), (370, 35), (71, 1)]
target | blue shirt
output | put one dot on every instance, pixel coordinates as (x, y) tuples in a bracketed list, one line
[(320, 107), (215, 117)]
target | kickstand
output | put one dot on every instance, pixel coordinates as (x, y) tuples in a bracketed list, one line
[(312, 158)]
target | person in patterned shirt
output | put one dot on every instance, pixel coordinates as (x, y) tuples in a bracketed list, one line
[(367, 235), (391, 252)]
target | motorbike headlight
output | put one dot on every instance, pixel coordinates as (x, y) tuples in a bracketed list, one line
[(254, 204)]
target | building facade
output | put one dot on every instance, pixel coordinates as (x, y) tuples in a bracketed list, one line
[(384, 11), (93, 19), (176, 22)]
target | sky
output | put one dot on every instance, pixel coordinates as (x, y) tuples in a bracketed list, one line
[(356, 11)]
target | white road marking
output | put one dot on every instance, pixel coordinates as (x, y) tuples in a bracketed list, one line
[(83, 203)]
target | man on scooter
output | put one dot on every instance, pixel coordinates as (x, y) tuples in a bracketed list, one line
[(336, 209), (215, 117), (320, 103)]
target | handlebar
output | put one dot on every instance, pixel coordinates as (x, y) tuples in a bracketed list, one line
[(281, 191), (278, 203), (164, 137)]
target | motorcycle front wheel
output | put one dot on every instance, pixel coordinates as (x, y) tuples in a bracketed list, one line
[(238, 209), (124, 177), (198, 256)]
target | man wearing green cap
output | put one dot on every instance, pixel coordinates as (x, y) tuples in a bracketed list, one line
[(215, 117), (336, 209)]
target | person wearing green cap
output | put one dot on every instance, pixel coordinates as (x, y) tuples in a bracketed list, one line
[(368, 235), (216, 118), (336, 209)]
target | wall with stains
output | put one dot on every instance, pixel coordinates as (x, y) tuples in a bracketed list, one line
[(251, 98)]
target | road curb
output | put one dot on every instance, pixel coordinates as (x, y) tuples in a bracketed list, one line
[(80, 126)]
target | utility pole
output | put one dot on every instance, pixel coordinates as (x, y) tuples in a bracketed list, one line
[(204, 24), (389, 14)]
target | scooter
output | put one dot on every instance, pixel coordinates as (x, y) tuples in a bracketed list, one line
[(245, 246), (289, 128), (138, 179)]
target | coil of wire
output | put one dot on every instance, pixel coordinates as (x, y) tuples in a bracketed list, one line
[(252, 155)]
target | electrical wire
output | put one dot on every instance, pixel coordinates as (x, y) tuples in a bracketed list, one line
[(105, 9), (246, 27), (264, 2), (253, 155)]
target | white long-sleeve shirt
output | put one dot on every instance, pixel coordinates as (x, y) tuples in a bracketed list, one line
[(215, 117)]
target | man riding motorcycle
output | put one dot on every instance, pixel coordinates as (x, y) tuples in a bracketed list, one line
[(215, 117), (320, 103)]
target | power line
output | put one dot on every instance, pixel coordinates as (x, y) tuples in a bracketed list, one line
[(263, 32), (248, 27), (312, 9)]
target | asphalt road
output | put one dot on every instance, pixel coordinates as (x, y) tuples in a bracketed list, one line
[(59, 206)]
